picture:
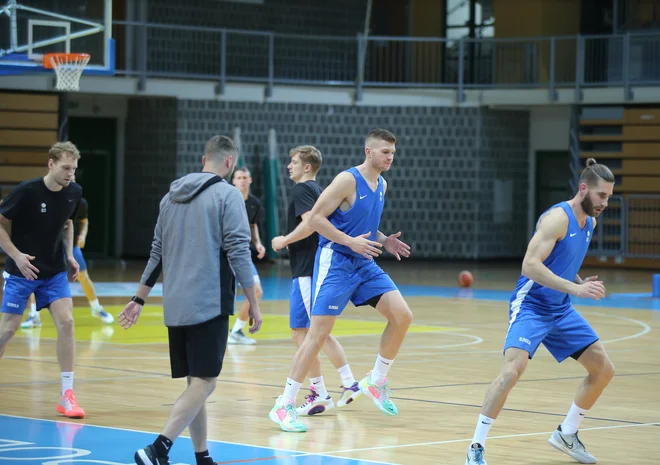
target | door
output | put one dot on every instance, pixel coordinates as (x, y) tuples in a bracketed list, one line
[(96, 140), (553, 174)]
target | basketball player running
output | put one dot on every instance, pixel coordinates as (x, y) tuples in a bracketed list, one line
[(541, 312), (242, 180), (302, 243), (40, 211), (80, 225), (346, 216)]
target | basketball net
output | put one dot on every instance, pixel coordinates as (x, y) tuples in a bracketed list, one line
[(68, 68)]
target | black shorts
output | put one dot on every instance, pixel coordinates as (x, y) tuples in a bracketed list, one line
[(198, 350)]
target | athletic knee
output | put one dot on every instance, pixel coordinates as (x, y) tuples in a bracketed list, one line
[(9, 328), (605, 371), (64, 324), (512, 371), (298, 335), (207, 385), (403, 317)]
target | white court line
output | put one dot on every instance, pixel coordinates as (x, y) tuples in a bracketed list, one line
[(490, 438), (646, 328)]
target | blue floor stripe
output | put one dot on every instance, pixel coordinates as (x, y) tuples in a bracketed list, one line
[(31, 441), (276, 288)]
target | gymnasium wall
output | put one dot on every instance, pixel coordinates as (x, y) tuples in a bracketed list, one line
[(457, 189)]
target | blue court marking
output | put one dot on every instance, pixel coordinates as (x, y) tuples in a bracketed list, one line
[(31, 441), (277, 288)]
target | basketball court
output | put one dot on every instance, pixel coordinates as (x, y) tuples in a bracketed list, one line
[(450, 356)]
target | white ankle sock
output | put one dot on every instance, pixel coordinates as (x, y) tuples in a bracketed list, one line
[(347, 379), (240, 324), (481, 431), (380, 370), (572, 421), (95, 304), (319, 387), (290, 391), (67, 381), (33, 310)]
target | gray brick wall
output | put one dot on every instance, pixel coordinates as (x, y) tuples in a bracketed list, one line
[(441, 186), (150, 167)]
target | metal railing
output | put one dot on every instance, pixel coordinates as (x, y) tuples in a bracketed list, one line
[(628, 228), (232, 55)]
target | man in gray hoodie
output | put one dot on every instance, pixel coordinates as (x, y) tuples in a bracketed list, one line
[(201, 244)]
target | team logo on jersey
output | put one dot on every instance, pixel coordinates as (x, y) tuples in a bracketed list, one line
[(381, 196), (588, 235), (43, 208)]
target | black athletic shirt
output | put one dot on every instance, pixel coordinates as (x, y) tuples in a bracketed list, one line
[(253, 207), (81, 214), (302, 253), (38, 216)]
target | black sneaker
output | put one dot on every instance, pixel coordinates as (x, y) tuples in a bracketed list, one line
[(147, 456)]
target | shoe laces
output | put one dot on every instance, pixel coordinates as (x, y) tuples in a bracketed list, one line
[(577, 439), (291, 410), (311, 398), (384, 390)]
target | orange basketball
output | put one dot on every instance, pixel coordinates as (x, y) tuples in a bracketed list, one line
[(465, 279)]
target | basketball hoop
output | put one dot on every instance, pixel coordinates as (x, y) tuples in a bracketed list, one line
[(68, 68)]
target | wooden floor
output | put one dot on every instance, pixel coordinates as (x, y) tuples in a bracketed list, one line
[(440, 376)]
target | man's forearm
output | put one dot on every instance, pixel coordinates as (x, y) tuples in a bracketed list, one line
[(326, 229), (301, 232), (68, 239), (381, 238), (250, 295), (254, 229), (143, 291), (6, 244)]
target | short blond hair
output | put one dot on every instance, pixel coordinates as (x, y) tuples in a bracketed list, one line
[(309, 155), (60, 148)]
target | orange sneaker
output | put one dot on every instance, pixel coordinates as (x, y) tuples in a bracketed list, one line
[(68, 405)]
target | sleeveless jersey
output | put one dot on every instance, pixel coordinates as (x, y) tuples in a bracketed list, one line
[(363, 216), (565, 261)]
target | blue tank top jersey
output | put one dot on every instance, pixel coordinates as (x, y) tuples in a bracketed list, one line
[(565, 261), (363, 216)]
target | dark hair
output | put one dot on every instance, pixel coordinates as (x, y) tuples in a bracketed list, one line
[(241, 169), (220, 147), (594, 171), (382, 134)]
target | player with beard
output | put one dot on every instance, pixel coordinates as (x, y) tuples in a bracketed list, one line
[(541, 312)]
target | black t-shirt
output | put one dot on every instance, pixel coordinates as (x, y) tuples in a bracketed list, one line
[(38, 216), (302, 253), (253, 207), (81, 214)]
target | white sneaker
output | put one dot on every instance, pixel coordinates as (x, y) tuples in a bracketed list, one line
[(314, 404), (104, 316), (475, 455), (571, 445), (237, 337), (32, 322)]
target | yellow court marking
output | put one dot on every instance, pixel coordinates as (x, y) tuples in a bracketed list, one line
[(150, 328)]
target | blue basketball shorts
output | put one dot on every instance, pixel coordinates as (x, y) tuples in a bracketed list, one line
[(300, 302), (78, 255), (563, 333), (17, 290), (339, 278), (255, 274)]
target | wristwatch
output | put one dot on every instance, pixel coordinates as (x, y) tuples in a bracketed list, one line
[(137, 300)]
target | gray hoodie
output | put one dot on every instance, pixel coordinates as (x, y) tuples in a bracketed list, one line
[(201, 246)]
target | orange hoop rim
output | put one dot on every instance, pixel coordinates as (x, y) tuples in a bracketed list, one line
[(64, 57)]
